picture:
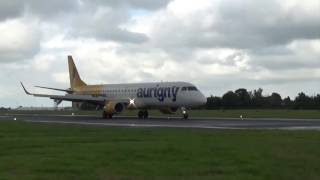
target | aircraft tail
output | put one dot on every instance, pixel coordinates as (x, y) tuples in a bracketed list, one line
[(75, 80)]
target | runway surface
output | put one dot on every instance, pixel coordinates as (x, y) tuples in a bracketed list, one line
[(205, 123)]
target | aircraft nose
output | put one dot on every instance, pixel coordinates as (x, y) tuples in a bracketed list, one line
[(201, 100)]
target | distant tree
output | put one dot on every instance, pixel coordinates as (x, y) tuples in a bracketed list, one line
[(287, 103), (244, 98), (230, 100), (214, 102), (302, 101), (258, 92), (274, 100), (258, 100), (317, 101), (241, 98), (5, 109)]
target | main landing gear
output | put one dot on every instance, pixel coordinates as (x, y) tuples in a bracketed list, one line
[(105, 115), (143, 114)]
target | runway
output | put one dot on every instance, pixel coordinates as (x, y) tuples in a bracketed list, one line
[(156, 122)]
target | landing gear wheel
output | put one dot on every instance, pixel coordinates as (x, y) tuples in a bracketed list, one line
[(185, 116), (140, 114), (143, 114), (106, 115)]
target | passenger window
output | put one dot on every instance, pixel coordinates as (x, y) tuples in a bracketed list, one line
[(184, 89)]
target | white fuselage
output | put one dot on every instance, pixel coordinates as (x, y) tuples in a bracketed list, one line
[(162, 94)]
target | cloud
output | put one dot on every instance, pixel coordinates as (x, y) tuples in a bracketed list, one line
[(236, 24), (103, 24), (43, 62), (20, 39), (16, 8), (51, 8), (301, 54), (140, 4), (92, 19), (259, 34), (218, 45), (10, 9)]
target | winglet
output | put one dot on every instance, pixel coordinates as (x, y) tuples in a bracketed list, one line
[(25, 90)]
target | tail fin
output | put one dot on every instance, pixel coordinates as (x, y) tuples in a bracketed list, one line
[(75, 80)]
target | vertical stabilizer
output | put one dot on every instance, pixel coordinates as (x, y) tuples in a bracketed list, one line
[(75, 80)]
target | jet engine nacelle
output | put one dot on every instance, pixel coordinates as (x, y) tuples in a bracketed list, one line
[(169, 110), (113, 107)]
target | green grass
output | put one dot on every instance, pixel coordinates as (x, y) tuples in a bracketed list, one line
[(265, 113), (246, 113), (41, 151)]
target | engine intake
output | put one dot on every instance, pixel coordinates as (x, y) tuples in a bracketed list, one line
[(113, 107)]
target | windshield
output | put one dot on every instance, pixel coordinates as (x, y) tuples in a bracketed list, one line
[(189, 88)]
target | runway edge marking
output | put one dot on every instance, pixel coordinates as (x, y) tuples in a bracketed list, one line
[(173, 126), (134, 125)]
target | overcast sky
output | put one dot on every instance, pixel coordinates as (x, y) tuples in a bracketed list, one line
[(218, 45)]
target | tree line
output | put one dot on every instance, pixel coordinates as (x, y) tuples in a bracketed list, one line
[(243, 99)]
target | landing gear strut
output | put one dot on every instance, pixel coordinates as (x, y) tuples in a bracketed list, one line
[(185, 114), (143, 114), (105, 115)]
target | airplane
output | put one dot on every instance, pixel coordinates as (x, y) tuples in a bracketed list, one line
[(168, 97)]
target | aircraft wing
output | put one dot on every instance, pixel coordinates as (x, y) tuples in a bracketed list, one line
[(71, 97), (56, 89)]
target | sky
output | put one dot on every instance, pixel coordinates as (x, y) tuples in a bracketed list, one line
[(218, 45)]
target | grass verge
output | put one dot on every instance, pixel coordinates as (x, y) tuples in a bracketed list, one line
[(42, 151)]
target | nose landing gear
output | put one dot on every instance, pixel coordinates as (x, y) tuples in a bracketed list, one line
[(185, 114)]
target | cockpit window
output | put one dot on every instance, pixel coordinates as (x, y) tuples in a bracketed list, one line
[(189, 88), (192, 88)]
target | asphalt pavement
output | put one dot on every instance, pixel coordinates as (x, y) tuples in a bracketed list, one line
[(158, 122)]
